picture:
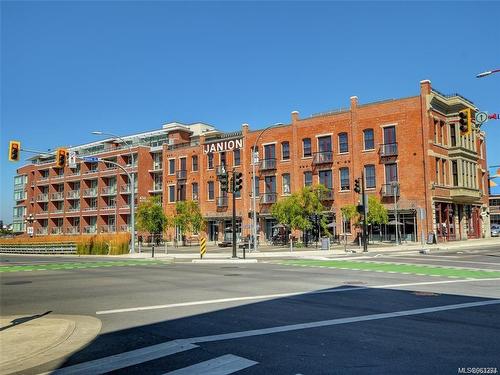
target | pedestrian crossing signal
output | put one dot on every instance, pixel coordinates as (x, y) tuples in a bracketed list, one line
[(14, 150)]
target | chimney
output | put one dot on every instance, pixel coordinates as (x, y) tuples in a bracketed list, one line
[(295, 116), (244, 129), (425, 87), (354, 102)]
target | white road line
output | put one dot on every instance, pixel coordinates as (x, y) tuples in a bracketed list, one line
[(224, 365), (281, 295), (122, 360), (134, 357)]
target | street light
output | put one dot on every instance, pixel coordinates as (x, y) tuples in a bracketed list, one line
[(132, 187), (395, 188), (487, 73), (255, 160), (30, 219)]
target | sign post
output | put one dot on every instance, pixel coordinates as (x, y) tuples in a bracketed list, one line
[(203, 247)]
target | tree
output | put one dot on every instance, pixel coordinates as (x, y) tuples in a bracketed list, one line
[(296, 210), (150, 217), (188, 217), (377, 213)]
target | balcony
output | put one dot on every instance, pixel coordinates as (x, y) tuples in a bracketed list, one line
[(57, 177), (466, 195), (323, 157), (91, 208), (58, 211), (157, 167), (327, 195), (90, 193), (90, 229), (42, 214), (107, 228), (110, 207), (267, 164), (73, 175), (44, 178), (56, 230), (124, 207), (125, 228), (90, 171), (220, 170), (388, 149), (390, 190), (108, 190), (42, 197), (268, 198), (181, 175), (222, 202), (42, 231), (73, 230), (73, 194), (73, 209), (158, 188), (59, 196)]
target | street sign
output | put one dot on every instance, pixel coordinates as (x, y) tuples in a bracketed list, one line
[(29, 230), (90, 159), (72, 159), (481, 117), (255, 158)]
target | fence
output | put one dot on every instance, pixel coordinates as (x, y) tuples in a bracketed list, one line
[(38, 248)]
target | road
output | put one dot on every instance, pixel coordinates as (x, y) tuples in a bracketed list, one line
[(386, 313)]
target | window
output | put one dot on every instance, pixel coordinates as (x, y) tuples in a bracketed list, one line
[(390, 134), (443, 171), (308, 178), (270, 184), (236, 157), (453, 135), (210, 186), (391, 173), (343, 143), (436, 180), (210, 160), (270, 152), (194, 163), (171, 193), (344, 179), (285, 150), (369, 139), (194, 189), (325, 144), (370, 181), (286, 183), (182, 164), (306, 146), (171, 166), (454, 171), (222, 158), (325, 179)]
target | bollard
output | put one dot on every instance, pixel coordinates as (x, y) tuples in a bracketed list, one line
[(153, 251)]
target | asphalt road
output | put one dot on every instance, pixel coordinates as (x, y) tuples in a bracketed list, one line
[(273, 317)]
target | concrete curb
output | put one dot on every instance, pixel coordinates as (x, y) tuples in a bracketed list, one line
[(223, 261), (32, 343)]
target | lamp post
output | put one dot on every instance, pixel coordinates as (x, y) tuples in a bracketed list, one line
[(487, 73), (255, 160), (131, 177), (30, 219), (395, 187)]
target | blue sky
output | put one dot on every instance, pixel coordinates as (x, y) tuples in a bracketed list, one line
[(68, 68)]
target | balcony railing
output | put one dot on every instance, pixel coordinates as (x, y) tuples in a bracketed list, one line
[(125, 228), (42, 214), (90, 229), (44, 178), (268, 198), (58, 211), (107, 228), (91, 208), (56, 230), (389, 149), (57, 176), (90, 193), (389, 190), (42, 197), (267, 164), (126, 189), (222, 202), (109, 207), (157, 167), (42, 231), (73, 194), (73, 230), (108, 190), (327, 195), (158, 188), (57, 196), (181, 174), (73, 209), (323, 157)]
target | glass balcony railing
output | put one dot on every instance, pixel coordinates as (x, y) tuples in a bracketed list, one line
[(267, 164), (108, 190), (323, 157), (268, 198), (389, 149), (181, 174), (73, 194), (90, 193), (57, 196), (390, 190), (90, 229)]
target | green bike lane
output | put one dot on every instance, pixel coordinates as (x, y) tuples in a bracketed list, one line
[(401, 268), (78, 265)]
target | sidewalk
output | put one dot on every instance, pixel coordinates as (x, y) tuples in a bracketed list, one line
[(29, 341), (191, 252)]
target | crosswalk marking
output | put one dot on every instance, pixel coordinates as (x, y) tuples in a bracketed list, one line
[(224, 365)]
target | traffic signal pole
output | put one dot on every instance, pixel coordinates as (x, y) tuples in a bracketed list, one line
[(233, 189), (365, 213)]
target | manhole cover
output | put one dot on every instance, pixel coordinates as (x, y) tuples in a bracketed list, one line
[(233, 274), (427, 294), (18, 282), (355, 282)]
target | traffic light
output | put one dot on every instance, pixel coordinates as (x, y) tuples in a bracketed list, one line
[(61, 156), (223, 179), (238, 181), (357, 185), (465, 121), (14, 150)]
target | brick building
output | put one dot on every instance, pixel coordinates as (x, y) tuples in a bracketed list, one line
[(410, 149)]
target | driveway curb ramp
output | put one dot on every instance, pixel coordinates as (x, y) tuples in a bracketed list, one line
[(30, 341)]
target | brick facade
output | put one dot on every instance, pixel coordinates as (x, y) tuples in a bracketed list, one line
[(413, 141)]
